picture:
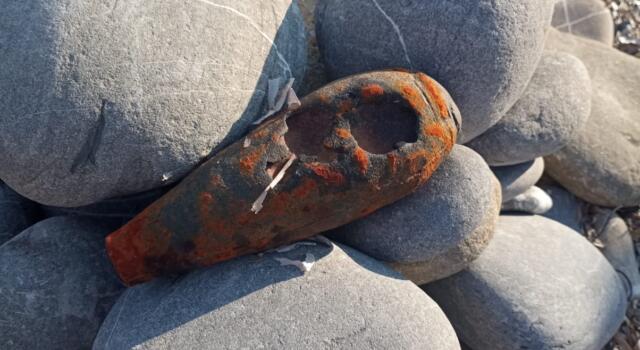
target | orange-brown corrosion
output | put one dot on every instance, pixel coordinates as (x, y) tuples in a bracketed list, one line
[(362, 159), (414, 97), (436, 95), (343, 133), (249, 162), (329, 175), (372, 91), (333, 179)]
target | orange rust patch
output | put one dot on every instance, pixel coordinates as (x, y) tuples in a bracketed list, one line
[(249, 162), (393, 162), (371, 91), (436, 130), (435, 94), (343, 133), (329, 175), (362, 159), (414, 97)]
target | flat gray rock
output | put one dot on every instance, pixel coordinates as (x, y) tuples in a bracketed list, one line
[(438, 230), (346, 301), (555, 105), (16, 213), (56, 286), (101, 99), (567, 209), (516, 179), (538, 285), (601, 163), (482, 51), (586, 18)]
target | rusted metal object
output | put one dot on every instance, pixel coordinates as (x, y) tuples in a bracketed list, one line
[(354, 146)]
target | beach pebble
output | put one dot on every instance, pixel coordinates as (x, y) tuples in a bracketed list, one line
[(538, 285), (342, 300), (16, 213), (516, 179), (102, 99), (586, 18), (532, 201), (601, 163), (555, 105), (438, 230), (56, 285), (483, 52)]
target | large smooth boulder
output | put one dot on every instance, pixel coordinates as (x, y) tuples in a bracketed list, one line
[(538, 285), (555, 105), (438, 230), (516, 179), (586, 18), (16, 213), (101, 99), (56, 286), (601, 163), (483, 52), (346, 301)]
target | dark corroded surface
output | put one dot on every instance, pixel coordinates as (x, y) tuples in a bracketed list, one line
[(360, 143)]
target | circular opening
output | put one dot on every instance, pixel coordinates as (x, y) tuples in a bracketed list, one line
[(382, 128)]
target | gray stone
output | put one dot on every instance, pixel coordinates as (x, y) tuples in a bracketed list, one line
[(16, 213), (586, 18), (538, 285), (101, 99), (532, 201), (618, 248), (56, 286), (482, 51), (567, 209), (113, 212), (555, 105), (516, 179), (315, 74), (346, 301), (601, 163), (438, 230)]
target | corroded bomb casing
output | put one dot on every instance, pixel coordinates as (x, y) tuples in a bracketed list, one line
[(353, 146)]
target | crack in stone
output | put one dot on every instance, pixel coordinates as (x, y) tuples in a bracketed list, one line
[(396, 28), (582, 19), (285, 65)]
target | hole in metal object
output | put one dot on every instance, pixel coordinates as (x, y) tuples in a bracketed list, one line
[(381, 128), (307, 132)]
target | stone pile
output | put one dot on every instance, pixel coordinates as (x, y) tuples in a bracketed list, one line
[(106, 105)]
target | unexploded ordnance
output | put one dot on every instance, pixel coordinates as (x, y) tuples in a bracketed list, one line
[(353, 146)]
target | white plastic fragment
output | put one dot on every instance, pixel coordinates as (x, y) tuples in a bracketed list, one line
[(285, 95), (304, 266), (257, 205), (247, 142)]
